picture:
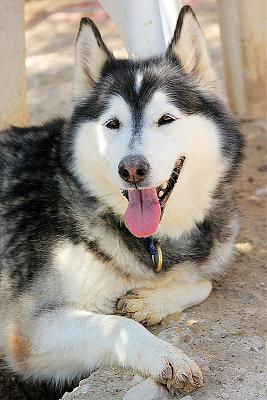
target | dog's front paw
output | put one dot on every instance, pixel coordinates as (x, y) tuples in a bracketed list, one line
[(140, 305), (180, 373)]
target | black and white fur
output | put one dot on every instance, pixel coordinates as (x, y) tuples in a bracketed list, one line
[(67, 261)]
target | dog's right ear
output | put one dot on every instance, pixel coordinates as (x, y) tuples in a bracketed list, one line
[(91, 54)]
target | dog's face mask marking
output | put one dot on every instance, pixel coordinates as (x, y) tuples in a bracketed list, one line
[(140, 128), (141, 155)]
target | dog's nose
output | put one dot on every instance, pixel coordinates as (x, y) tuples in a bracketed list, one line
[(133, 169)]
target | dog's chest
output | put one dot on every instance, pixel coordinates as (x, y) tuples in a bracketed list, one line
[(87, 282)]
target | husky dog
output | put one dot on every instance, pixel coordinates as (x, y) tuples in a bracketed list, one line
[(124, 209)]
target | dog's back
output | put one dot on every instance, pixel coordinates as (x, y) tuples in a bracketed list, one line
[(28, 209)]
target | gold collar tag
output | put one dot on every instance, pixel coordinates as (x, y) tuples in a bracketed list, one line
[(157, 258)]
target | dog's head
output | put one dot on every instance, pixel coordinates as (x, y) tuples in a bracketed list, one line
[(144, 133)]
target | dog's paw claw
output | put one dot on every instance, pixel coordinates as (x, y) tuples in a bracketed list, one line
[(181, 374), (135, 304)]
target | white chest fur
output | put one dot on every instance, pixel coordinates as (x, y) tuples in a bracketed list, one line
[(87, 282)]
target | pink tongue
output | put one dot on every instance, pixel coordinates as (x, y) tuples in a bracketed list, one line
[(142, 216)]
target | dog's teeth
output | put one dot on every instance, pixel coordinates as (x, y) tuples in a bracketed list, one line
[(161, 193), (164, 186)]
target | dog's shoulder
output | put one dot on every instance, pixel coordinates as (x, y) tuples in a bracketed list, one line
[(28, 155), (18, 145), (29, 197), (28, 174)]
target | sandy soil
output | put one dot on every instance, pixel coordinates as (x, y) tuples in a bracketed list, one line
[(227, 332)]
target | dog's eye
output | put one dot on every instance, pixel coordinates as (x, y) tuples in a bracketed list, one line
[(113, 123), (166, 119)]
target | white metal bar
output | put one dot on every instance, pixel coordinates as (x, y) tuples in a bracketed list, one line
[(145, 26)]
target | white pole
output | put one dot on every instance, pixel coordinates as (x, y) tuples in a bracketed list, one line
[(169, 11), (13, 108), (244, 38), (146, 26)]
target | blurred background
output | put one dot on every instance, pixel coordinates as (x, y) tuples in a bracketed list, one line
[(43, 32), (51, 28)]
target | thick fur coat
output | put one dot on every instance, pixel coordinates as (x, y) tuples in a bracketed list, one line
[(68, 261)]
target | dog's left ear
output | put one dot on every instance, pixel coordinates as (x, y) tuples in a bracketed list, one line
[(91, 54), (189, 47)]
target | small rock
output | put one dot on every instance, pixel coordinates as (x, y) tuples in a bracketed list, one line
[(224, 335), (148, 390), (187, 398), (252, 349), (191, 322), (254, 199), (137, 379), (261, 192), (244, 247)]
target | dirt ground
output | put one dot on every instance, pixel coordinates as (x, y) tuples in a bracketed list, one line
[(225, 334)]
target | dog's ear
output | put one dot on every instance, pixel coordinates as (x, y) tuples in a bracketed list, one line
[(91, 54), (189, 47)]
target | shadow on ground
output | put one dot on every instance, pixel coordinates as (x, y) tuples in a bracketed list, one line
[(12, 387)]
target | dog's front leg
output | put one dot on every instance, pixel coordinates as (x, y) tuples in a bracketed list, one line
[(66, 344), (150, 305)]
